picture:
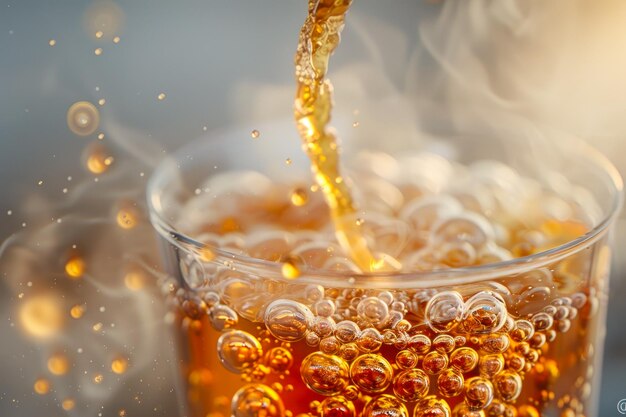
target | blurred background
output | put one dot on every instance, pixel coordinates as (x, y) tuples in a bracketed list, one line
[(83, 332)]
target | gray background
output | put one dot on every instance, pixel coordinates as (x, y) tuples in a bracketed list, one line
[(207, 56)]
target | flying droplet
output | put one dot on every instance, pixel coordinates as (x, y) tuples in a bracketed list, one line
[(99, 34), (41, 316), (98, 378), (77, 311), (41, 386), (255, 134), (116, 39), (102, 101), (83, 118), (52, 42), (97, 159), (98, 51), (161, 96), (58, 364), (75, 267), (299, 197), (119, 365), (288, 161)]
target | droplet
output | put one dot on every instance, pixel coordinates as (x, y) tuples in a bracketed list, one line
[(450, 383), (255, 134), (98, 378), (299, 197), (41, 316), (288, 320), (119, 365), (41, 386), (75, 267), (279, 359), (116, 39), (444, 311), (99, 34), (58, 364), (373, 310), (102, 102), (52, 42), (431, 406), (288, 161), (83, 118), (478, 393), (97, 158), (485, 312), (464, 359), (238, 350), (134, 279), (127, 216), (337, 406), (98, 51), (371, 372), (385, 405), (257, 400), (411, 385), (161, 96), (68, 404), (324, 374)]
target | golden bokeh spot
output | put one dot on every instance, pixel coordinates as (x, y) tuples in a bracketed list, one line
[(119, 365), (83, 118), (58, 364), (41, 316), (68, 404), (77, 311), (75, 267), (41, 386)]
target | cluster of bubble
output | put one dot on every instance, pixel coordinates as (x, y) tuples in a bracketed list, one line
[(422, 211)]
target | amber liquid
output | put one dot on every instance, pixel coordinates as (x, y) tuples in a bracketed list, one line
[(533, 357)]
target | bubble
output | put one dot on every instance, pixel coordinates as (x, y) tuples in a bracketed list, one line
[(312, 339), (324, 374), (83, 118), (431, 406), (223, 317), (450, 383), (456, 254), (411, 384), (424, 211), (522, 331), (41, 316), (349, 351), (369, 340), (464, 359), (347, 331), (119, 365), (508, 384), (434, 362), (478, 393), (444, 311), (516, 363), (238, 350), (372, 373), (257, 400), (41, 386), (462, 410), (325, 308), (444, 343), (490, 365), (385, 405), (495, 343), (419, 344), (485, 312), (288, 320), (299, 197), (58, 364), (255, 134), (373, 310), (323, 326), (542, 321), (406, 359), (279, 359), (528, 411), (337, 406), (467, 227), (329, 345)]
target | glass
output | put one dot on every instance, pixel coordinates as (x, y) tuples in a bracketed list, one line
[(519, 337)]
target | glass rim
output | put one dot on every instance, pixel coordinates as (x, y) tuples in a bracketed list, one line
[(395, 279)]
